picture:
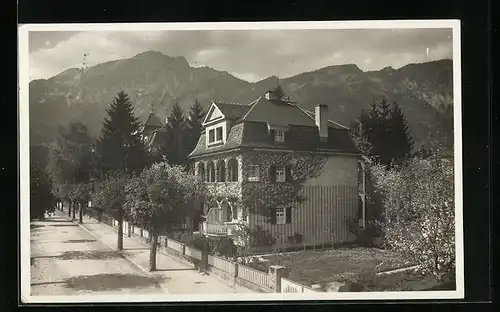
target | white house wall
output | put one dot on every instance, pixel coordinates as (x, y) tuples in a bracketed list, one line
[(338, 170)]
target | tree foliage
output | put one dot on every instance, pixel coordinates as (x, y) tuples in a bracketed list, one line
[(176, 148), (383, 133), (42, 200), (194, 125), (80, 193), (264, 198), (110, 197), (246, 237), (70, 155), (120, 147), (419, 212), (161, 197), (280, 93), (71, 162)]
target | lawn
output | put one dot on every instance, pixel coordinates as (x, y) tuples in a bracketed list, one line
[(322, 267)]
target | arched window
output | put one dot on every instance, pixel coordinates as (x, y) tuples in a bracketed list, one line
[(201, 171), (210, 172), (233, 170), (221, 171)]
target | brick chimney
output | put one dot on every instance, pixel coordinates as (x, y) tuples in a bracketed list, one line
[(321, 121), (271, 96)]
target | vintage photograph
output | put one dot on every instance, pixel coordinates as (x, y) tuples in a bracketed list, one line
[(240, 161)]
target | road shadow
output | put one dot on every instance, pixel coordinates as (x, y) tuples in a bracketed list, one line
[(53, 220), (107, 282), (79, 241), (174, 270), (62, 225), (36, 226), (83, 255)]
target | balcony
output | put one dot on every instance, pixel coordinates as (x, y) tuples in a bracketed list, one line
[(224, 188), (219, 228)]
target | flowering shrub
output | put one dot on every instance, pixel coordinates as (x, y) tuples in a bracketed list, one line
[(419, 215)]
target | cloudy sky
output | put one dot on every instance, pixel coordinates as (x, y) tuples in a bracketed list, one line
[(248, 54)]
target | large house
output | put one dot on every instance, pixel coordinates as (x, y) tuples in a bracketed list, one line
[(265, 144)]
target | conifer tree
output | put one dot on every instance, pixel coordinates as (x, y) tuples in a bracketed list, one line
[(402, 141), (176, 148), (383, 132), (194, 125), (279, 92), (120, 147)]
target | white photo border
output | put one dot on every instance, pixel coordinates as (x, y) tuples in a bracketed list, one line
[(24, 168)]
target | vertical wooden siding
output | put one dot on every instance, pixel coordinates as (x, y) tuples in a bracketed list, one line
[(321, 218)]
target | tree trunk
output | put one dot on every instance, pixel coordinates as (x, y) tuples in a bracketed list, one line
[(73, 212), (69, 209), (204, 255), (129, 229), (152, 250), (120, 231), (80, 216)]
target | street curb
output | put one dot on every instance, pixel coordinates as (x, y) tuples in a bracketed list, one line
[(120, 253)]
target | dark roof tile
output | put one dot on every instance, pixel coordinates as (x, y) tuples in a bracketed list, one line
[(232, 111), (250, 129)]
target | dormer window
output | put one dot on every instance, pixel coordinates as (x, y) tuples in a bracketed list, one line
[(215, 135), (211, 136), (279, 136), (218, 134)]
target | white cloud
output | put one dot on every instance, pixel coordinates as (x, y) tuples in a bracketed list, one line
[(251, 55)]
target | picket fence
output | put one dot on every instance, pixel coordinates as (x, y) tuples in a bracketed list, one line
[(223, 265), (289, 286), (255, 276), (263, 280)]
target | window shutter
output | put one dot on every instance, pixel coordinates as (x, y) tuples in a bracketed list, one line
[(271, 134), (273, 216), (288, 174), (288, 215), (272, 174)]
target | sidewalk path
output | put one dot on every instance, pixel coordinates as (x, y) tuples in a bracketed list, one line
[(67, 260), (174, 276)]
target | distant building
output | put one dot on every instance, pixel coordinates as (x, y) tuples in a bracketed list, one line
[(225, 157), (153, 133)]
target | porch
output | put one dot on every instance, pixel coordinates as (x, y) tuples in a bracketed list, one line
[(221, 220)]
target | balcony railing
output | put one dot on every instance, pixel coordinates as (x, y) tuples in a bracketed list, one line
[(218, 229), (214, 228)]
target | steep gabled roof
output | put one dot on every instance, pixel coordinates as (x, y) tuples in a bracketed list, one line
[(159, 138), (332, 123), (277, 113), (153, 121), (232, 111), (251, 129)]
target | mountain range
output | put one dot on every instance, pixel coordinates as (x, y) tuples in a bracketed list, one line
[(151, 79)]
